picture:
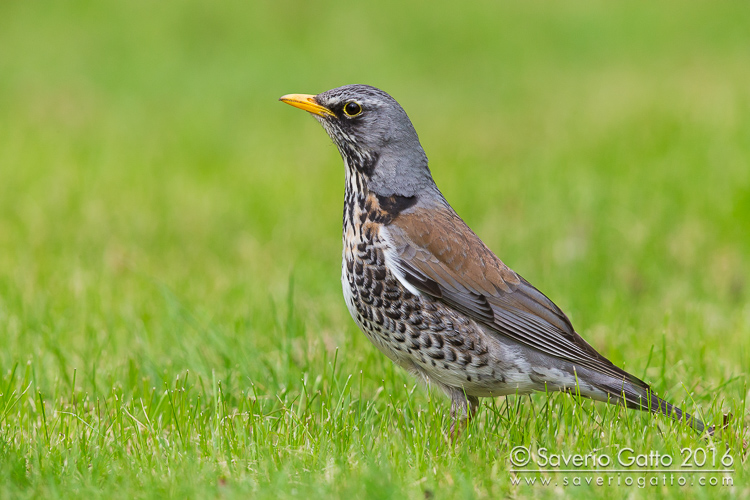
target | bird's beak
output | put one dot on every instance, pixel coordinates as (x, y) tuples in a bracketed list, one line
[(308, 103)]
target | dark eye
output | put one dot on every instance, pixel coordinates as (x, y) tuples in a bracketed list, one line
[(352, 108)]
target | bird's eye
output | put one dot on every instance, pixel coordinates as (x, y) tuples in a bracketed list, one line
[(352, 109)]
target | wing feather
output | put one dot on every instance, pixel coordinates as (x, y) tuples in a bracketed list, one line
[(440, 256)]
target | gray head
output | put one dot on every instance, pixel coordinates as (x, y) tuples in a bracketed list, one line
[(374, 136)]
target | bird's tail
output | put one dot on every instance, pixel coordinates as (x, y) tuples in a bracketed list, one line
[(640, 396), (655, 404)]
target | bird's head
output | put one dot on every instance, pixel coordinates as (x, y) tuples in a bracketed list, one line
[(374, 136)]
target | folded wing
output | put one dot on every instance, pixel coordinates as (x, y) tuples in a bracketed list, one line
[(440, 256)]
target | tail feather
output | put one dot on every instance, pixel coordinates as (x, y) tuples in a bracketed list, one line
[(639, 396), (655, 404)]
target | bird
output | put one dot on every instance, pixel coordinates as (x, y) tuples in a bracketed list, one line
[(427, 291)]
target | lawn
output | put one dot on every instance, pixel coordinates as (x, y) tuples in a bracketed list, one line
[(171, 316)]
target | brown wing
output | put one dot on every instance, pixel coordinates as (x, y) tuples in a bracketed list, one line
[(441, 256)]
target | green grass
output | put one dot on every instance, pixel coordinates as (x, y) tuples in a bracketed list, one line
[(171, 320)]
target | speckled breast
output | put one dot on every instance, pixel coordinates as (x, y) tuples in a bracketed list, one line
[(376, 300), (416, 332)]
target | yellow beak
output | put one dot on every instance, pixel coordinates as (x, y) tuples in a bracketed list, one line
[(308, 103)]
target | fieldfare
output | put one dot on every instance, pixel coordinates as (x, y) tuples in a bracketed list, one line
[(430, 294)]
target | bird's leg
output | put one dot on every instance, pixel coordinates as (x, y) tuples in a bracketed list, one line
[(463, 409)]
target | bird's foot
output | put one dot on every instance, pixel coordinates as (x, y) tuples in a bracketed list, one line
[(463, 409)]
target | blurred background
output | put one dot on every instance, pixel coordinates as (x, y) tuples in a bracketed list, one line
[(161, 211)]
